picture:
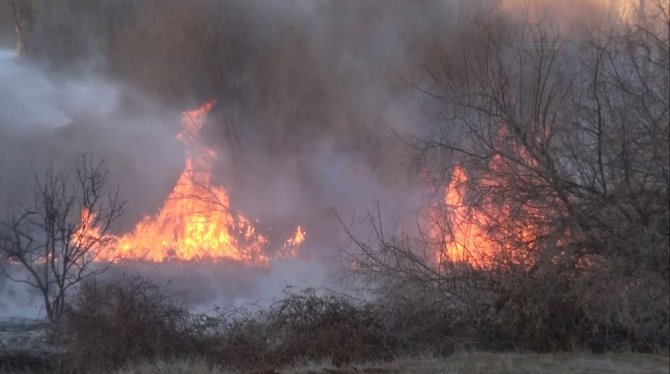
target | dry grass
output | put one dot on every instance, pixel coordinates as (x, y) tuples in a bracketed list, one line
[(174, 367), (536, 363), (461, 363)]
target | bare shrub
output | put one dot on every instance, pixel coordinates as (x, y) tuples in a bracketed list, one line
[(304, 326), (108, 323), (310, 326)]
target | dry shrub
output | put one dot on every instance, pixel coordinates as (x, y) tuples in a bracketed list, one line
[(548, 309), (114, 323), (243, 340), (310, 326), (528, 312), (610, 303), (304, 326), (626, 312), (417, 321), (597, 309), (108, 323)]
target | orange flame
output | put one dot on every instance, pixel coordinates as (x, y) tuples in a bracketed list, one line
[(500, 223), (467, 240), (195, 221), (291, 245)]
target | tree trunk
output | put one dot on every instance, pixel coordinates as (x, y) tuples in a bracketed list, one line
[(23, 11)]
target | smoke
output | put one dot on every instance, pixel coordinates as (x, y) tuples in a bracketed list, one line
[(315, 102), (32, 102), (47, 118)]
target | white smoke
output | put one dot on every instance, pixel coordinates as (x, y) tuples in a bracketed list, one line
[(32, 101)]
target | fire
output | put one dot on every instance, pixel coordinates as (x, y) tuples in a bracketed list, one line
[(195, 221), (504, 222), (289, 249), (467, 241), (298, 237)]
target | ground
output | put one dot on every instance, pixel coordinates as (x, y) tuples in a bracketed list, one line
[(26, 337), (461, 363)]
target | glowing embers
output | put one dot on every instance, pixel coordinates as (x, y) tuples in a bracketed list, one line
[(195, 221)]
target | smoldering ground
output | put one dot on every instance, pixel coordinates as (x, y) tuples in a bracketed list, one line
[(314, 103)]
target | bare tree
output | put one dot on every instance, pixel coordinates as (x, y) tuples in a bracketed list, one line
[(576, 132), (55, 238), (564, 143)]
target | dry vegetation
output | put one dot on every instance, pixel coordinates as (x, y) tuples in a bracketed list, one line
[(565, 145), (572, 141), (464, 363), (130, 325)]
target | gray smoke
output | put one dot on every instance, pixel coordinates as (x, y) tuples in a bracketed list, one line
[(301, 140)]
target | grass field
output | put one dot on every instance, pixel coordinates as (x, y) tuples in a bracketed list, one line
[(463, 363)]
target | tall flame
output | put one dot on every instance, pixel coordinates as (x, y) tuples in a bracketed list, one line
[(195, 221)]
